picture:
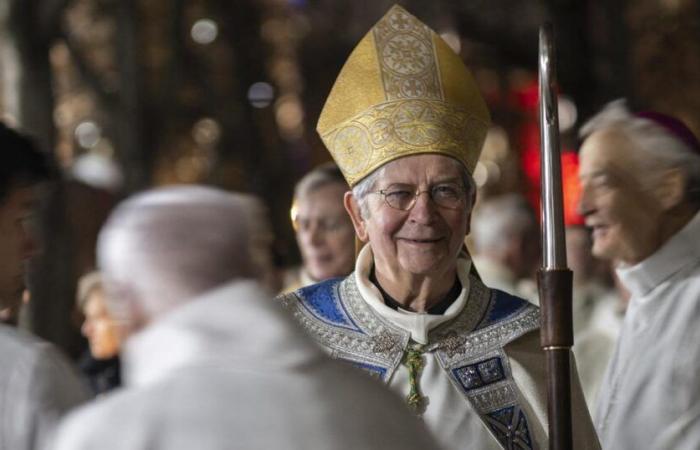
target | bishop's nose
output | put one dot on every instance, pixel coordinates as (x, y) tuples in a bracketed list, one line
[(424, 210)]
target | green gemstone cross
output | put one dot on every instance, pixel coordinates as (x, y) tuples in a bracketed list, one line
[(413, 360)]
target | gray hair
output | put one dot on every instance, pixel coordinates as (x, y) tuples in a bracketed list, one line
[(661, 148), (165, 246), (496, 219), (367, 185), (87, 284), (318, 177)]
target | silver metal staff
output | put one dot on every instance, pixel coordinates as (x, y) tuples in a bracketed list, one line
[(554, 278)]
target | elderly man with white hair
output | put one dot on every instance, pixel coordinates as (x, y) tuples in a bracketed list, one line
[(640, 175), (405, 123), (209, 361)]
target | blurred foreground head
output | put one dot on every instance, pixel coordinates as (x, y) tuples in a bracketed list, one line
[(164, 247)]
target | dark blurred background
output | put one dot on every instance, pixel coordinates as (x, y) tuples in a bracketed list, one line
[(134, 93)]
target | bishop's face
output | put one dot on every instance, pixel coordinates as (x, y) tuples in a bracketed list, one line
[(426, 239)]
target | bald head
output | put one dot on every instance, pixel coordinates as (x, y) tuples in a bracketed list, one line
[(163, 247)]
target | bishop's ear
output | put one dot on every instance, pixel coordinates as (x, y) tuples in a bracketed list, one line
[(354, 210), (670, 189)]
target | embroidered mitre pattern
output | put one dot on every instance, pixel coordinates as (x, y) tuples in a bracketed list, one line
[(407, 57), (392, 99)]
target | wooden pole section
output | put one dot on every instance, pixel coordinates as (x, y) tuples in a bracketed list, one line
[(554, 278)]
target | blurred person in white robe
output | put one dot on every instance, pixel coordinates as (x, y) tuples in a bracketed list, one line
[(209, 362), (505, 234), (597, 311), (640, 176), (37, 383)]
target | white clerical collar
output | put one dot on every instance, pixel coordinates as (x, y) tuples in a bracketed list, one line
[(681, 249), (418, 324)]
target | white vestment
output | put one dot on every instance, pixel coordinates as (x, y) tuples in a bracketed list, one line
[(229, 370), (653, 381), (597, 320), (37, 386), (464, 358)]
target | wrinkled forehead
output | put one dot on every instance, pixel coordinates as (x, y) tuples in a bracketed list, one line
[(421, 169), (608, 150)]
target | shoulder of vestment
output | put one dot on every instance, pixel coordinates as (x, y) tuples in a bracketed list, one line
[(335, 315)]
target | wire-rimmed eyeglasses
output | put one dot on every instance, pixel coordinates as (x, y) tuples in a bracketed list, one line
[(404, 197)]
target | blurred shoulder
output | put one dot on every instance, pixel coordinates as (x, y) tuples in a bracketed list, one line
[(102, 423), (24, 352)]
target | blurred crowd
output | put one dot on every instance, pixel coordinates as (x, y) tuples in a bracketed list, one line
[(194, 339)]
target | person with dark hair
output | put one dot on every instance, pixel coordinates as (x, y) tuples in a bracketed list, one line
[(37, 383), (21, 169), (640, 176)]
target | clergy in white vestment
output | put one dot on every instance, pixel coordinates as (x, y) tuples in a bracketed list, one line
[(640, 175), (406, 123), (505, 234), (210, 362), (37, 383)]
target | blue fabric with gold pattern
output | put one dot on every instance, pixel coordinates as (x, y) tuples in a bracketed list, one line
[(509, 425), (322, 300), (503, 306), (480, 374)]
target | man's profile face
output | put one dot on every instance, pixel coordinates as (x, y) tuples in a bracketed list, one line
[(617, 201), (426, 239), (324, 232), (17, 243)]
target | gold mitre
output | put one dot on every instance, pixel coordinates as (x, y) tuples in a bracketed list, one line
[(403, 91)]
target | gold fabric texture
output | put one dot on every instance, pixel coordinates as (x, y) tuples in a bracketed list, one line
[(402, 91)]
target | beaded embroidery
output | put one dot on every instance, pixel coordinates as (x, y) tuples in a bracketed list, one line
[(469, 347)]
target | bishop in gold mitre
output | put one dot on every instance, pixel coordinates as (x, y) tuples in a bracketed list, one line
[(405, 123), (403, 91)]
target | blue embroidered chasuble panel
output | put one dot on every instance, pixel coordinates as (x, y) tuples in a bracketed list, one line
[(469, 347), (322, 300)]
